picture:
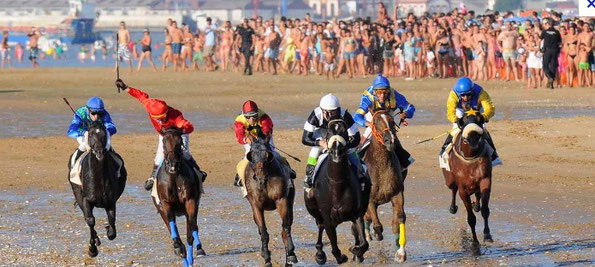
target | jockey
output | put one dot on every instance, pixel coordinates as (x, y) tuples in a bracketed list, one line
[(381, 96), (466, 93), (93, 111), (162, 117), (256, 123), (317, 122)]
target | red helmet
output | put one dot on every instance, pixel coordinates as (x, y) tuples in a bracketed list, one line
[(250, 108), (158, 109)]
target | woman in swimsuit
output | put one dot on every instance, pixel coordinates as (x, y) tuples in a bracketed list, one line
[(534, 63), (167, 52), (571, 48), (349, 53), (186, 52), (146, 43), (491, 59), (226, 40), (443, 48), (359, 53)]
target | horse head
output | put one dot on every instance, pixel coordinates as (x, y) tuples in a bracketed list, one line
[(336, 139), (472, 126), (384, 129), (260, 157), (172, 148), (97, 139)]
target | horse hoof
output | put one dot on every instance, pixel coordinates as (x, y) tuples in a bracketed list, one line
[(342, 259), (320, 258), (476, 207), (200, 252), (453, 209), (97, 241), (487, 238), (93, 251), (378, 236), (360, 259), (111, 233), (268, 264), (368, 236), (400, 258), (291, 259), (179, 249)]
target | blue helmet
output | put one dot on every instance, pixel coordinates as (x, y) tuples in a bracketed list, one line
[(463, 86), (380, 82), (95, 104)]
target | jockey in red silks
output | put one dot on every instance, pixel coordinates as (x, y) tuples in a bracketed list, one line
[(163, 117)]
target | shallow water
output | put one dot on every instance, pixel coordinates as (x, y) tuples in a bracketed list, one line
[(44, 225)]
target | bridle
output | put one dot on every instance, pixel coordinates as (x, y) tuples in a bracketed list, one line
[(379, 135)]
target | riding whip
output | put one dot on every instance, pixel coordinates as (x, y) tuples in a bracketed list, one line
[(294, 158), (433, 138), (117, 60)]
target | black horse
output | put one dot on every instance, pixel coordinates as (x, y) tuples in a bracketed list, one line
[(103, 182), (270, 187), (179, 190), (337, 197)]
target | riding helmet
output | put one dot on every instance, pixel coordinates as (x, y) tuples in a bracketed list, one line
[(158, 108), (249, 108), (329, 102), (95, 104), (463, 86), (380, 82)]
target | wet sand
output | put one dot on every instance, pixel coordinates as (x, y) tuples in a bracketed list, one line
[(541, 205)]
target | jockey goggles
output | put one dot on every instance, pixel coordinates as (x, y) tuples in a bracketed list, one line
[(96, 113), (250, 116)]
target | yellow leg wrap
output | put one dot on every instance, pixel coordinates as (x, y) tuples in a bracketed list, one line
[(402, 238)]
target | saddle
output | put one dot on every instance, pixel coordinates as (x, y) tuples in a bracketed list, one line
[(322, 158), (198, 175), (76, 168), (241, 171)]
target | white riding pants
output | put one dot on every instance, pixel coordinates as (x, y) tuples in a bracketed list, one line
[(159, 156)]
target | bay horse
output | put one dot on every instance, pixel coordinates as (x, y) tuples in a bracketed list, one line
[(179, 190), (337, 196), (471, 172), (102, 184), (270, 187), (388, 180)]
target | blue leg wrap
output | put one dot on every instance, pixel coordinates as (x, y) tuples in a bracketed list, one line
[(185, 262), (189, 257), (196, 239), (174, 231)]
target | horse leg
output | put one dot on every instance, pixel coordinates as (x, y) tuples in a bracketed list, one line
[(476, 205), (191, 231), (376, 224), (361, 244), (170, 221), (90, 219), (331, 232), (399, 218), (485, 187), (264, 235), (285, 209), (111, 219), (320, 255), (470, 219), (453, 206)]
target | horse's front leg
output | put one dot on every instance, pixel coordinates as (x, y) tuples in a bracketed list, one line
[(471, 220), (170, 221), (285, 208), (331, 232), (90, 219), (371, 217), (320, 255), (453, 206), (398, 224), (111, 219), (192, 239), (361, 244), (485, 187), (258, 215)]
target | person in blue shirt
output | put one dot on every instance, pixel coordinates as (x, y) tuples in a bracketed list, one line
[(94, 110), (381, 96)]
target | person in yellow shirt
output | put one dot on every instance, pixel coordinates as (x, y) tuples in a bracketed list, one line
[(465, 93)]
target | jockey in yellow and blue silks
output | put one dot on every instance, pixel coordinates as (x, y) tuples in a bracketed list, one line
[(466, 93), (93, 111), (381, 96)]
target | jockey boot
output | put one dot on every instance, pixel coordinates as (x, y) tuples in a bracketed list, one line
[(309, 174), (78, 155), (446, 142), (237, 181), (495, 158), (197, 170), (151, 180), (361, 149), (404, 157)]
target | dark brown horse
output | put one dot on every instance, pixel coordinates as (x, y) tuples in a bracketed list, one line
[(270, 187), (103, 180), (471, 172), (387, 181), (179, 190), (337, 197)]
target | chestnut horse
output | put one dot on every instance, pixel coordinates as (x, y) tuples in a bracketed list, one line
[(270, 187), (337, 197), (387, 180), (471, 172), (179, 190)]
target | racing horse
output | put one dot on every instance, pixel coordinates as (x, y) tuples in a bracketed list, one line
[(103, 178), (471, 172), (337, 196), (269, 187), (179, 189), (387, 180)]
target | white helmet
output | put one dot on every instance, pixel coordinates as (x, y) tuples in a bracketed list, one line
[(329, 102)]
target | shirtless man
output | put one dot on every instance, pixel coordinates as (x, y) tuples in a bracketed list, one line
[(5, 50), (272, 52), (176, 45), (123, 52), (33, 50), (187, 47), (305, 44), (466, 39), (507, 44), (586, 38), (478, 36)]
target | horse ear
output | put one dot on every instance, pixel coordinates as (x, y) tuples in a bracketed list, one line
[(460, 123), (249, 156)]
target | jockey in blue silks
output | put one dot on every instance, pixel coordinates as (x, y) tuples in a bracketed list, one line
[(381, 96)]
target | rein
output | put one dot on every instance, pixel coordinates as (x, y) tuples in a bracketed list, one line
[(375, 132), (469, 159)]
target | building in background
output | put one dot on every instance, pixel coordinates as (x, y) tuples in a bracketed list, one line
[(326, 8)]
